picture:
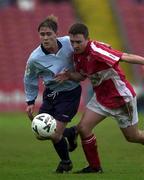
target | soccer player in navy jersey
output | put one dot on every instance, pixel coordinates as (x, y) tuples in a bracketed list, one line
[(113, 94), (61, 100)]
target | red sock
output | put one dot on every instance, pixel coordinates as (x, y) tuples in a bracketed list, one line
[(90, 149)]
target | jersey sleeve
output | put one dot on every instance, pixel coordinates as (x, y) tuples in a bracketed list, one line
[(105, 53), (30, 83)]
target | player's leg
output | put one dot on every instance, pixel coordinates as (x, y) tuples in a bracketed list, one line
[(61, 148), (72, 103), (127, 117), (66, 107), (133, 134), (93, 115), (71, 134), (63, 106), (59, 142), (89, 120)]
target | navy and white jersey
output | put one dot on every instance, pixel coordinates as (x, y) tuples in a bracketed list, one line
[(44, 65)]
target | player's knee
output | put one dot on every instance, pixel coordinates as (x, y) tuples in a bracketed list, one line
[(131, 138), (83, 130), (56, 137)]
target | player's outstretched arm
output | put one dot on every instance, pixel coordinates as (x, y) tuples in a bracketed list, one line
[(132, 58), (68, 75)]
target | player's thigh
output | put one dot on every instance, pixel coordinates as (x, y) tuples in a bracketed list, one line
[(131, 133), (89, 120)]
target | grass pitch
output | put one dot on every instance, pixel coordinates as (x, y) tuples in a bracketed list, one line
[(22, 157)]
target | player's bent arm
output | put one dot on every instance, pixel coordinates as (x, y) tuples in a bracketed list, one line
[(68, 75), (76, 76), (132, 58)]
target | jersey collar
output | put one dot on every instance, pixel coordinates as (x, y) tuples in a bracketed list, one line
[(47, 52)]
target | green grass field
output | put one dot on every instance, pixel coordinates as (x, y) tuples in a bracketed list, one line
[(22, 157)]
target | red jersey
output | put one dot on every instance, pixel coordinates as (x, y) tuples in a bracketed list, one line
[(101, 64)]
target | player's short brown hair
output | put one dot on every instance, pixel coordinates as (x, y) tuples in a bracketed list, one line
[(50, 22), (79, 28)]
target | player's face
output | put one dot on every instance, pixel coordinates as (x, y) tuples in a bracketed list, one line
[(48, 38), (78, 43)]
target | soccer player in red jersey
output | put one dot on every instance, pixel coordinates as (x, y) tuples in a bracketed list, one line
[(113, 94)]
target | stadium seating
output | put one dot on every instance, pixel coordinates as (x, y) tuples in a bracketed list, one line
[(132, 17), (131, 13), (18, 37)]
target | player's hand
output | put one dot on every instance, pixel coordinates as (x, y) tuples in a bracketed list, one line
[(30, 110), (63, 76)]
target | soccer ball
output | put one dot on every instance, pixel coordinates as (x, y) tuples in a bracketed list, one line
[(43, 125)]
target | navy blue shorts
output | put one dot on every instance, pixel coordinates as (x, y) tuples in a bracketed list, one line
[(61, 105)]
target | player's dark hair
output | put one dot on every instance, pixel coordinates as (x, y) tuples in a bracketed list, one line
[(50, 22), (79, 28)]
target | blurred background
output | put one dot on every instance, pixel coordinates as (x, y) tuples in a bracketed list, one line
[(117, 22)]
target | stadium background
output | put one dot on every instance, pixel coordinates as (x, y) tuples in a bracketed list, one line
[(119, 23)]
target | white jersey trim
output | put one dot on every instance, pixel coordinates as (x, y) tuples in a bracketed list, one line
[(103, 52), (120, 85)]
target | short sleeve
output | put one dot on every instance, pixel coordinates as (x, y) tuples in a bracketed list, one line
[(105, 54)]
